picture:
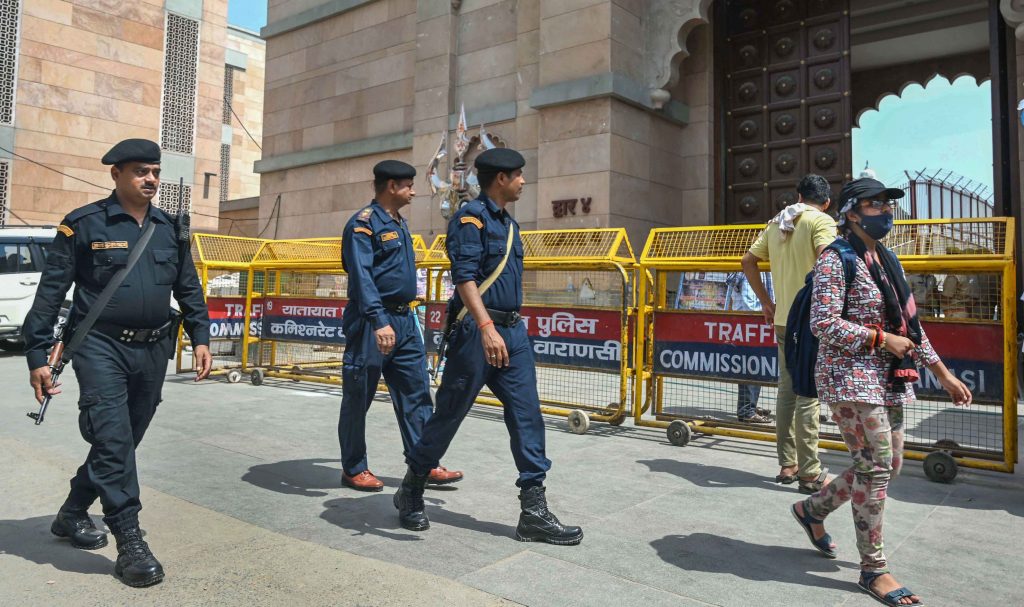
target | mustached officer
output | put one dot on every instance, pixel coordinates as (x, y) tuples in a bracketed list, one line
[(488, 346), (381, 334), (121, 363)]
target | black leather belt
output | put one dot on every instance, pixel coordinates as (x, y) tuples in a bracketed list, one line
[(396, 308), (504, 319), (128, 334)]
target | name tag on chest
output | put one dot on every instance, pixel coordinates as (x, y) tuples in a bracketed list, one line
[(113, 244), (386, 236)]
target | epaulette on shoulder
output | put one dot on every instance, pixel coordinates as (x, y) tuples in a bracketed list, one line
[(80, 212), (471, 213), (364, 215)]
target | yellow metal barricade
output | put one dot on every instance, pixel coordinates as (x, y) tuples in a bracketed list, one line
[(577, 306), (302, 300), (223, 264), (695, 359)]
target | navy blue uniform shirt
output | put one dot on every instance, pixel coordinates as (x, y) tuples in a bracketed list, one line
[(477, 236), (93, 242), (377, 254)]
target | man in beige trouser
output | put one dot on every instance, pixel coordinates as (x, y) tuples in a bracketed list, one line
[(792, 242)]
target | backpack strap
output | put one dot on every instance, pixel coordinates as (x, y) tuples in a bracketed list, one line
[(849, 259)]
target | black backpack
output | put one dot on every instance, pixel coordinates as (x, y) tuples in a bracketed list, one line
[(801, 344)]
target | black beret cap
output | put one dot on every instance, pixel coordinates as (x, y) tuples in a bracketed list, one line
[(499, 160), (393, 169), (138, 150)]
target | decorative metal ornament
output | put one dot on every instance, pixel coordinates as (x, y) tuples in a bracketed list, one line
[(462, 184)]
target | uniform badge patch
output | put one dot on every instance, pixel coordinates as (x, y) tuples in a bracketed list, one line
[(113, 244), (364, 214), (473, 220), (65, 230), (386, 236), (366, 231)]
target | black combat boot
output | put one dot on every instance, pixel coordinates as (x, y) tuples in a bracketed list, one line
[(79, 528), (136, 566), (537, 524), (409, 501)]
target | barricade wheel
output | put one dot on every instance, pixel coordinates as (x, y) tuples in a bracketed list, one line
[(234, 376), (579, 422), (618, 419), (257, 376), (679, 433), (940, 467)]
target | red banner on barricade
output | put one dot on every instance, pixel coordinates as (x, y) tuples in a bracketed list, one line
[(303, 319), (742, 348), (571, 337), (227, 314)]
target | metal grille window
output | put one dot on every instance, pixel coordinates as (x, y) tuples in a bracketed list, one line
[(171, 194), (181, 57), (9, 10), (5, 174), (229, 92), (225, 171)]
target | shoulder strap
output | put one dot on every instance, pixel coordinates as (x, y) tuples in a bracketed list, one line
[(108, 292), (486, 284), (849, 258)]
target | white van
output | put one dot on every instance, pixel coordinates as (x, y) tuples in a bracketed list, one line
[(22, 257)]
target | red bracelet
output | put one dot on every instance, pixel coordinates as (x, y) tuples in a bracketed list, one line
[(876, 339), (484, 324)]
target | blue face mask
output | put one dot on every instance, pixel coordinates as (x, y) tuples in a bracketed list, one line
[(876, 226)]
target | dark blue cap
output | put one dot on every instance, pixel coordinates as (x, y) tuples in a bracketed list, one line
[(499, 160), (129, 150), (393, 169)]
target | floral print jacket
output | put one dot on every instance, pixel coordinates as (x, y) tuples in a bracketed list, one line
[(847, 371)]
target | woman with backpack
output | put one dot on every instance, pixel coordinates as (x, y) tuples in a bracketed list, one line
[(871, 343)]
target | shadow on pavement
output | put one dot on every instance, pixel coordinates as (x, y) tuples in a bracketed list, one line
[(715, 554), (31, 540), (376, 515), (306, 477), (714, 476)]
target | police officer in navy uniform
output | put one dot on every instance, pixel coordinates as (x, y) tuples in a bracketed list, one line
[(120, 366), (489, 346), (381, 334)]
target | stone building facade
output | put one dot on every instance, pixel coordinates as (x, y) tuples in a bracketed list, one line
[(244, 77), (657, 113), (80, 75)]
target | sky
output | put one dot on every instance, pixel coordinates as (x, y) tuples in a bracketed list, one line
[(250, 14), (940, 126)]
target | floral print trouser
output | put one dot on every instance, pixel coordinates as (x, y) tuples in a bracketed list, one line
[(874, 436)]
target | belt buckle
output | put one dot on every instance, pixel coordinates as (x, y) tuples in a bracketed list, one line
[(514, 318)]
